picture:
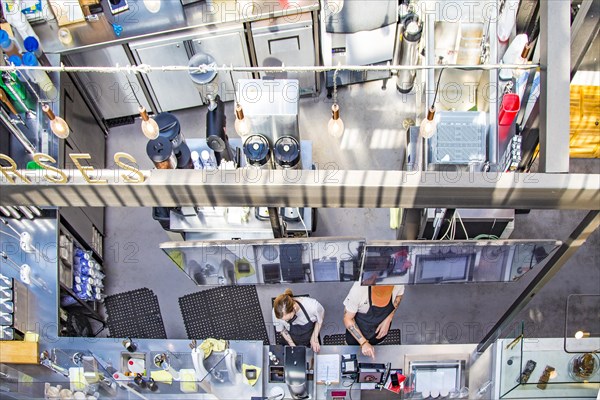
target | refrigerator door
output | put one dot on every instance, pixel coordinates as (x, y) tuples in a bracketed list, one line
[(172, 90), (110, 93), (282, 41), (227, 48)]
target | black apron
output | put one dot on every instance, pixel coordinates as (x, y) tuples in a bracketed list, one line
[(368, 322), (301, 334)]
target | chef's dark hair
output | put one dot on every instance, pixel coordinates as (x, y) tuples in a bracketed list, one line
[(284, 303)]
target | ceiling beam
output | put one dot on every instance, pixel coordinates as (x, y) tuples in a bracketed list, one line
[(314, 188)]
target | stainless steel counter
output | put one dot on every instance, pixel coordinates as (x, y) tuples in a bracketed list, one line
[(400, 356), (138, 22), (178, 351)]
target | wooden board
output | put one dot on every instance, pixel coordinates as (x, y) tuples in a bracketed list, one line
[(66, 12), (585, 121), (19, 352)]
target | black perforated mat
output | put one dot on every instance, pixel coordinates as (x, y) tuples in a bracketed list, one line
[(135, 314), (228, 312), (394, 337)]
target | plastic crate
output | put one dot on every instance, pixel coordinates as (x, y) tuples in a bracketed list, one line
[(460, 138)]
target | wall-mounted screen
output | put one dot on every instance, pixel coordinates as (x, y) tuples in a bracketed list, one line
[(444, 268)]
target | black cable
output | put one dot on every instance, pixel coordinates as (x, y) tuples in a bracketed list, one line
[(131, 87), (437, 87), (532, 255), (533, 27), (233, 83)]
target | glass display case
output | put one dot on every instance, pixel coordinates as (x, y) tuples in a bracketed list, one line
[(540, 368)]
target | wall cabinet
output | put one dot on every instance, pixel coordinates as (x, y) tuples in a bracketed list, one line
[(227, 48), (176, 90), (170, 90), (287, 41), (111, 94)]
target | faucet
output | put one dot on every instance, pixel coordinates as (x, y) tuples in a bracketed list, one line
[(162, 361), (46, 361)]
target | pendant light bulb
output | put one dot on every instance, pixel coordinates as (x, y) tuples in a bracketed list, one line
[(149, 126), (581, 335), (428, 125), (58, 126), (335, 127), (241, 125), (152, 5)]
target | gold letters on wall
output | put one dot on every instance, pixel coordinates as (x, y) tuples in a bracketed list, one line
[(53, 174)]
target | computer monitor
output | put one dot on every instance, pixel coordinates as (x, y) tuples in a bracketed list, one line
[(271, 273), (290, 256), (326, 270), (444, 268), (349, 270), (376, 263)]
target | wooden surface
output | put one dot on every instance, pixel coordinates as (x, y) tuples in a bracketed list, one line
[(585, 121), (19, 352)]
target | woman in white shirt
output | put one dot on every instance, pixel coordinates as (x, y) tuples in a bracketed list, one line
[(299, 319)]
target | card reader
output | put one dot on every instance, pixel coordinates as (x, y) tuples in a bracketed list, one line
[(349, 368), (118, 6)]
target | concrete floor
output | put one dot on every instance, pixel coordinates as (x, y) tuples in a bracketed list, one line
[(374, 139)]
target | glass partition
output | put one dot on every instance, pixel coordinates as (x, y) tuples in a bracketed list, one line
[(426, 262), (582, 323), (241, 262), (274, 261), (511, 356)]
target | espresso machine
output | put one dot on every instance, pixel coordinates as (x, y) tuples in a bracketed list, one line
[(288, 373)]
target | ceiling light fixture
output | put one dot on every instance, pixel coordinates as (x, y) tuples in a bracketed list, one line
[(581, 334), (152, 5), (150, 128), (58, 126), (335, 127), (242, 124), (429, 123)]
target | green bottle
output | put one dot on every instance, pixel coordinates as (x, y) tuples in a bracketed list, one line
[(17, 92)]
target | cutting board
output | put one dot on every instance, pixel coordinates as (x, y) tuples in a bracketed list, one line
[(19, 352), (67, 11)]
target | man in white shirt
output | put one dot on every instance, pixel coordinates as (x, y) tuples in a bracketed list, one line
[(368, 313)]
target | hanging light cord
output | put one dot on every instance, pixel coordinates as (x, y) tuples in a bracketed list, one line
[(131, 87), (233, 83), (335, 74), (437, 87)]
